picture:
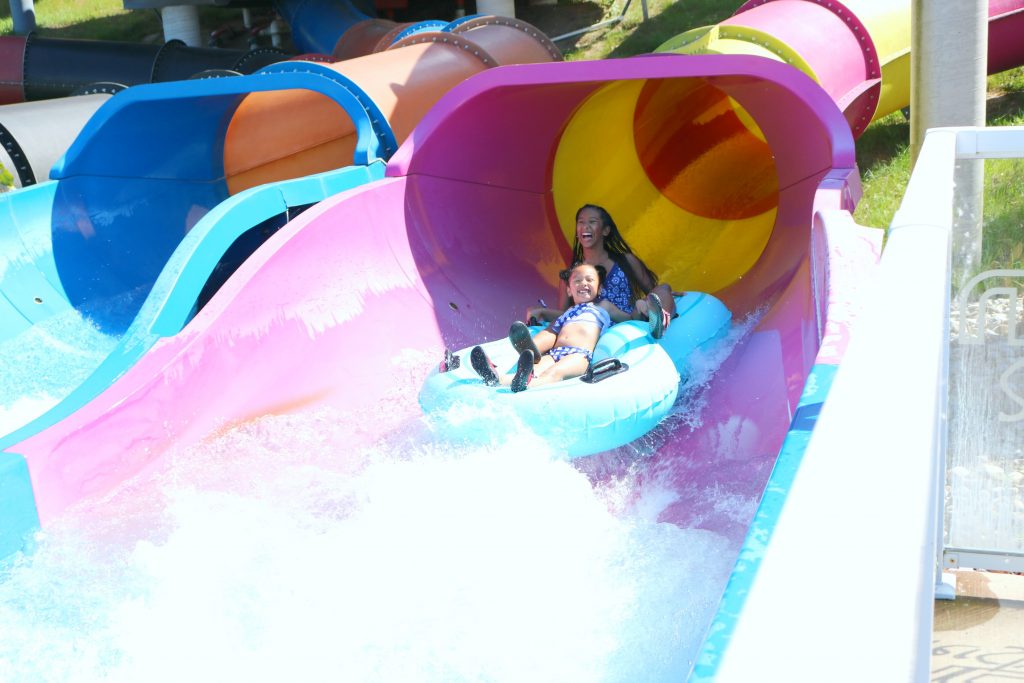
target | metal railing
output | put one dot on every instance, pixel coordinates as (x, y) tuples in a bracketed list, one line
[(854, 561), (971, 548), (851, 563)]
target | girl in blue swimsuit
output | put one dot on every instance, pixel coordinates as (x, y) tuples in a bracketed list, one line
[(566, 347), (629, 281)]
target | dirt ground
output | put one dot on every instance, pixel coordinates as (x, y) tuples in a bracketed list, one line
[(557, 20)]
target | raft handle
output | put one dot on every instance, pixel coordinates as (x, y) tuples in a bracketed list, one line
[(603, 369)]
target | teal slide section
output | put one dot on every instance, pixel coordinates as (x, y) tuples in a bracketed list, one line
[(137, 231), (17, 505)]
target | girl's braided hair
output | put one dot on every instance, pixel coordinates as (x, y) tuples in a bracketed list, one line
[(617, 249)]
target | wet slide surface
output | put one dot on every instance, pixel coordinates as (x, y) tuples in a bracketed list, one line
[(336, 320)]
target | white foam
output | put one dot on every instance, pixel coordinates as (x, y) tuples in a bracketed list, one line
[(43, 364), (23, 410), (276, 553)]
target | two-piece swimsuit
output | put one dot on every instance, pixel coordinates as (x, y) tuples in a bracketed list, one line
[(588, 312), (616, 289)]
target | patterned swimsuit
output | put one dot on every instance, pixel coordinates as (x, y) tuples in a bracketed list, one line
[(617, 290), (580, 313)]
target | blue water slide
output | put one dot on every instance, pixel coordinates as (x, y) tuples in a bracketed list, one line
[(136, 232), (431, 25), (318, 24), (452, 25), (422, 27)]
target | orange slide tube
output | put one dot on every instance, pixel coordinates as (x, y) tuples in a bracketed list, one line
[(275, 136)]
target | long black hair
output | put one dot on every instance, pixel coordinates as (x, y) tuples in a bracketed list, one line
[(617, 250)]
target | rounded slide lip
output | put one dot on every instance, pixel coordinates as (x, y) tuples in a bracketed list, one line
[(783, 110), (469, 104)]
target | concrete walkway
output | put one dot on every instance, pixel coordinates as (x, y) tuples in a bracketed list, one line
[(979, 637)]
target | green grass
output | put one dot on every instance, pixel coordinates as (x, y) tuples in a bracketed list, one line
[(884, 159), (95, 19), (883, 156), (102, 20), (634, 36), (1003, 241)]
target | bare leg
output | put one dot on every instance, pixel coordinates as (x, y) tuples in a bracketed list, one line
[(567, 368), (546, 363), (545, 340), (668, 305), (668, 301)]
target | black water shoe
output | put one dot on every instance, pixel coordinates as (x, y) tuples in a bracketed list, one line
[(522, 340), (483, 366), (655, 316), (524, 372)]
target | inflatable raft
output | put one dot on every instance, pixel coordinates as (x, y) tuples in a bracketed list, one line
[(633, 383)]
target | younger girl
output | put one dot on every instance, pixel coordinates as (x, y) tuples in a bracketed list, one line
[(565, 348), (629, 282)]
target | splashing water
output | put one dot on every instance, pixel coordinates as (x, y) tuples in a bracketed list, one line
[(277, 551), (274, 553), (42, 365)]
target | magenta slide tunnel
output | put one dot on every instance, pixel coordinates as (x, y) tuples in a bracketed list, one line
[(857, 50), (714, 167)]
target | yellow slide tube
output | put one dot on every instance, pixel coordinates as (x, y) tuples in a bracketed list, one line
[(700, 228)]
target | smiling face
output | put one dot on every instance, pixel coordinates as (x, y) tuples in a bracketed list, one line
[(584, 283), (590, 229)]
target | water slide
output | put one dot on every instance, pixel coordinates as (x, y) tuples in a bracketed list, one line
[(34, 135), (38, 119), (298, 325), (86, 289), (37, 68), (859, 51)]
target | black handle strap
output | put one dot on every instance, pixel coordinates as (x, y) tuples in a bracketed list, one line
[(603, 369)]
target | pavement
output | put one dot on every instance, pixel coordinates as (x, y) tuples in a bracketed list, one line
[(979, 636)]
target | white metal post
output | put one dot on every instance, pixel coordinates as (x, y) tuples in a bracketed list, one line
[(181, 22), (23, 15), (949, 49), (949, 63)]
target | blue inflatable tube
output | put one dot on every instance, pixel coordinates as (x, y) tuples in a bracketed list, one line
[(574, 416)]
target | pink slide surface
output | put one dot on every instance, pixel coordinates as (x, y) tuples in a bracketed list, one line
[(299, 324)]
